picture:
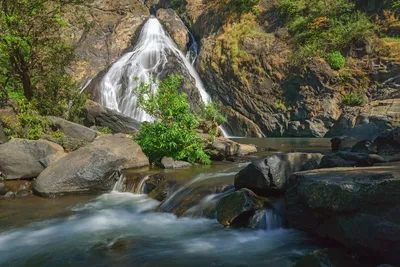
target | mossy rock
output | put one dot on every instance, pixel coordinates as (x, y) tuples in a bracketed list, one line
[(237, 208)]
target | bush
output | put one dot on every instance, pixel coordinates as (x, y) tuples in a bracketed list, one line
[(28, 124), (321, 26), (173, 133), (353, 100), (243, 6), (104, 130), (336, 60)]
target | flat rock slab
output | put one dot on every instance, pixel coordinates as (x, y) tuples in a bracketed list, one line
[(91, 169), (358, 207), (25, 159), (73, 130)]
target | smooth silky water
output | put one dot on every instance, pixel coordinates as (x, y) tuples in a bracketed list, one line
[(123, 228)]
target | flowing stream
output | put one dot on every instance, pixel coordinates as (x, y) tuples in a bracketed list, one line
[(131, 229)]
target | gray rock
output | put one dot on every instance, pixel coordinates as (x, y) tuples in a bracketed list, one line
[(153, 182), (332, 257), (365, 146), (91, 169), (3, 137), (310, 128), (388, 143), (24, 159), (349, 159), (270, 175), (342, 143), (357, 207), (9, 195), (3, 189), (223, 148), (170, 163), (97, 115), (72, 130), (175, 27), (237, 208)]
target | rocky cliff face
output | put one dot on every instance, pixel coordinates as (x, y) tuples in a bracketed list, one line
[(245, 65), (101, 31)]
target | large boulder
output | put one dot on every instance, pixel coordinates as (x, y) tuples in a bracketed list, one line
[(357, 207), (97, 115), (25, 159), (91, 169), (222, 148), (175, 27), (72, 130), (270, 175), (349, 159), (388, 143), (237, 208)]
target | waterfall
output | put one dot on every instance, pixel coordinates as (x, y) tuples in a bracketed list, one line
[(273, 220), (145, 63)]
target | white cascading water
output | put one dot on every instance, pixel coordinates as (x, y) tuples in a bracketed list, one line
[(143, 64)]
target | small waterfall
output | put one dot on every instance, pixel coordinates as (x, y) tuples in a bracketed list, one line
[(273, 219), (134, 185), (145, 63), (120, 184), (193, 50)]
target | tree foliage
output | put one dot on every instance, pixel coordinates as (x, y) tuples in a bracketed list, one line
[(33, 56), (173, 133)]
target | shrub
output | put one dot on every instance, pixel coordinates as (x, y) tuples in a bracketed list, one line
[(353, 100), (28, 124), (242, 6), (173, 133), (321, 26), (336, 60), (104, 130)]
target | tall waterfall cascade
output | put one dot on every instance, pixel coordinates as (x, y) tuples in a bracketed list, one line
[(143, 64)]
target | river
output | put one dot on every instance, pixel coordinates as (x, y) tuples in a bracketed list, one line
[(124, 228)]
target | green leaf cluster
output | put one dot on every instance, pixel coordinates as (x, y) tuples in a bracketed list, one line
[(336, 60), (353, 100), (173, 133)]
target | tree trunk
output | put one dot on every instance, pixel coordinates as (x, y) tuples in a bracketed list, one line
[(27, 85)]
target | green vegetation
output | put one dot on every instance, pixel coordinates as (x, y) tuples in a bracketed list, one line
[(28, 124), (243, 6), (353, 100), (336, 60), (105, 130), (229, 50), (321, 26), (173, 133), (177, 5), (33, 58)]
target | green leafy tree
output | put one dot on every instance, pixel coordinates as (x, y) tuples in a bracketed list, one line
[(173, 132), (33, 56)]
